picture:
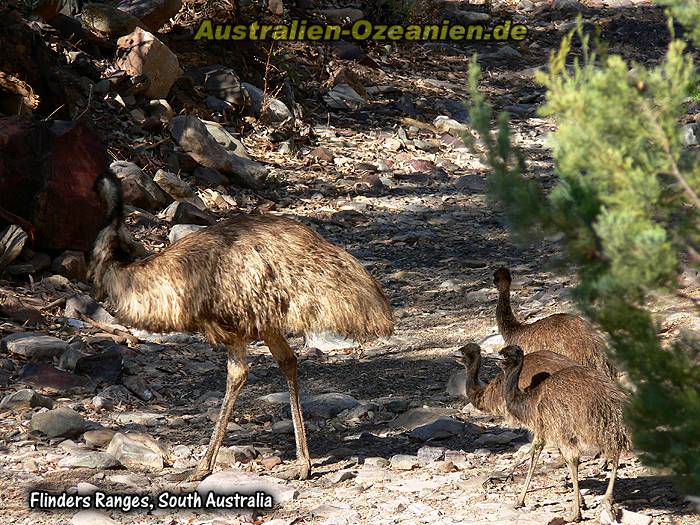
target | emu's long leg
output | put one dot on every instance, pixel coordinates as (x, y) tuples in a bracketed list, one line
[(287, 361), (608, 498), (535, 451), (236, 376), (573, 468)]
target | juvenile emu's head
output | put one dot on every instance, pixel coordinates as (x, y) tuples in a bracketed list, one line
[(471, 355), (502, 279), (512, 357)]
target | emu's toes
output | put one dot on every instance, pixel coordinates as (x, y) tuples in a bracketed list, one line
[(304, 470), (574, 516), (198, 474), (519, 503)]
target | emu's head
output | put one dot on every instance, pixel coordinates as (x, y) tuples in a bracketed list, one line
[(502, 279), (110, 191), (512, 357), (471, 356)]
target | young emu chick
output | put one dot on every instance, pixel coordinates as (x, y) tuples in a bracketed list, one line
[(488, 397), (244, 279), (565, 334), (575, 409)]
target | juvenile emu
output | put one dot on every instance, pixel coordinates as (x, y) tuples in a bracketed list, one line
[(576, 409), (488, 397), (565, 334), (244, 279)]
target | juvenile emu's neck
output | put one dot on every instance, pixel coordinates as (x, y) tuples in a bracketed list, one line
[(474, 388), (504, 314), (511, 392)]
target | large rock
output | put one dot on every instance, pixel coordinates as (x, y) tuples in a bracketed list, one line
[(31, 345), (139, 189), (47, 172), (420, 416), (60, 422), (25, 398), (141, 53), (192, 135), (235, 481), (109, 21), (223, 137), (153, 13), (135, 452)]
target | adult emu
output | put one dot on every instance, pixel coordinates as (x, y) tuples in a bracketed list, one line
[(243, 279)]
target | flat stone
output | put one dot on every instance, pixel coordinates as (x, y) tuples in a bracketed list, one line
[(33, 345), (211, 176), (236, 454), (89, 459), (327, 341), (393, 404), (404, 462), (81, 304), (285, 426), (147, 419), (442, 428), (420, 416), (236, 481), (186, 213), (276, 111), (60, 422), (177, 188), (25, 398), (178, 231), (318, 405), (427, 453), (135, 453), (98, 438), (47, 378)]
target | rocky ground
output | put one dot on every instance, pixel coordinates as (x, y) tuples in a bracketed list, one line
[(91, 405)]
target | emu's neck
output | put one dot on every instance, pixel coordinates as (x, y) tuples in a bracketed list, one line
[(504, 314), (473, 387), (108, 256), (513, 396)]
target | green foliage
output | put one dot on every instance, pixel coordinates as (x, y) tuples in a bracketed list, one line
[(626, 203)]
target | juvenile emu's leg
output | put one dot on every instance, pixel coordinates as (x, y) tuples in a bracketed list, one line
[(535, 451), (287, 361), (236, 376), (573, 461)]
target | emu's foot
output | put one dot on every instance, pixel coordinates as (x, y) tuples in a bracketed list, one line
[(574, 516), (300, 470), (583, 504), (199, 473), (519, 503)]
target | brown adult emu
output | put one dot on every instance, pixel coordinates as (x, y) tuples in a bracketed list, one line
[(241, 280), (565, 334), (576, 409), (488, 397)]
